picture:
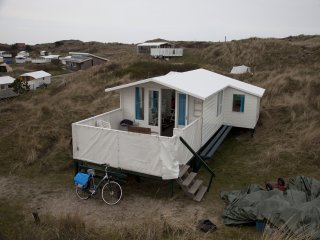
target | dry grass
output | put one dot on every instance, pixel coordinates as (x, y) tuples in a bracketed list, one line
[(36, 127), (283, 233)]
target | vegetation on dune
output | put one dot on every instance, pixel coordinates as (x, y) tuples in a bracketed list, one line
[(36, 127)]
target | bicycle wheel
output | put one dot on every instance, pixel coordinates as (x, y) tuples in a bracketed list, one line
[(111, 193), (82, 193)]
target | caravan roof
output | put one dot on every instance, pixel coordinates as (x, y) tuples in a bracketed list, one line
[(199, 83), (6, 80), (37, 74)]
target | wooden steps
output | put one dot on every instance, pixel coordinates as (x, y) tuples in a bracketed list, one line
[(190, 185)]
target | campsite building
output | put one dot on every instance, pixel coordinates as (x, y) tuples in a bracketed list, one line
[(23, 53), (6, 90), (43, 53), (36, 79), (20, 59), (7, 57), (81, 61), (142, 135), (159, 49)]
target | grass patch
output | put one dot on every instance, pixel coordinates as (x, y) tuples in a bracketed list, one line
[(143, 70)]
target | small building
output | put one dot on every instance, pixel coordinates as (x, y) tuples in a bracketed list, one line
[(52, 57), (40, 60), (23, 53), (20, 59), (5, 68), (193, 104), (44, 53), (6, 89), (36, 79), (240, 69), (7, 57), (159, 49), (82, 61)]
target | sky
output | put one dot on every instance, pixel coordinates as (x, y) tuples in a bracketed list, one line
[(134, 21)]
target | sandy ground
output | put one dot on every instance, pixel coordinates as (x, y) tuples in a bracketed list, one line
[(133, 208)]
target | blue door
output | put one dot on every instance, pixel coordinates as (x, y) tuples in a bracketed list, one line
[(182, 110)]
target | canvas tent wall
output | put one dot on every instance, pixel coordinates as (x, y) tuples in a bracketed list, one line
[(36, 79)]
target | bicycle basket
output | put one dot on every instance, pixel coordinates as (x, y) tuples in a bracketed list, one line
[(81, 179)]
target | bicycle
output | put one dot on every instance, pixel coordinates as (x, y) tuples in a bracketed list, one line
[(111, 190)]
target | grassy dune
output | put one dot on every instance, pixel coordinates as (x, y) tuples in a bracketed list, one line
[(36, 127)]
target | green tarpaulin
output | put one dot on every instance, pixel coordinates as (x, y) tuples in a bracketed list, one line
[(296, 208)]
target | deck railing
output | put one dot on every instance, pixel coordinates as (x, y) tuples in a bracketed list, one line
[(147, 154), (192, 134), (166, 52), (113, 117)]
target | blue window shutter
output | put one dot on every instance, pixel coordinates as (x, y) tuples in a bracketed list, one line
[(242, 103), (137, 103), (182, 110)]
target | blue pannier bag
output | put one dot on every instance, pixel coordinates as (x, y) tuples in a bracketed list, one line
[(81, 179)]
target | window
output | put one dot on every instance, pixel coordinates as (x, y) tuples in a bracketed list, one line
[(139, 103), (153, 107), (2, 87), (219, 102), (238, 103)]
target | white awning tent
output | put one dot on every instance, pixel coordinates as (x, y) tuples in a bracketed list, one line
[(207, 83), (240, 69)]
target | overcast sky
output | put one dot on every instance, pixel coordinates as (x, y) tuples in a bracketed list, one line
[(132, 21)]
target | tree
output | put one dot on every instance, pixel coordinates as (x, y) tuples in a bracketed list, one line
[(20, 86)]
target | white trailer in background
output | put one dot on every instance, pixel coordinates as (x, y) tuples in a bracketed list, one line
[(166, 52), (36, 79)]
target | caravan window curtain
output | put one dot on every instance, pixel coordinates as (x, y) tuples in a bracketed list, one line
[(139, 103), (153, 107), (238, 103)]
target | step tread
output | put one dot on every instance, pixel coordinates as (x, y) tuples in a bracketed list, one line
[(183, 170), (193, 189), (189, 179), (200, 193)]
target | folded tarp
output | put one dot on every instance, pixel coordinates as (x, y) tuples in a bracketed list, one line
[(296, 208)]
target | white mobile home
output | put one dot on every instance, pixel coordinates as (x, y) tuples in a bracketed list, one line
[(193, 104), (159, 49), (36, 79), (6, 90), (20, 59)]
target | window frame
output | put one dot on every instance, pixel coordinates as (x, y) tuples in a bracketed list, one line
[(141, 103), (238, 107)]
